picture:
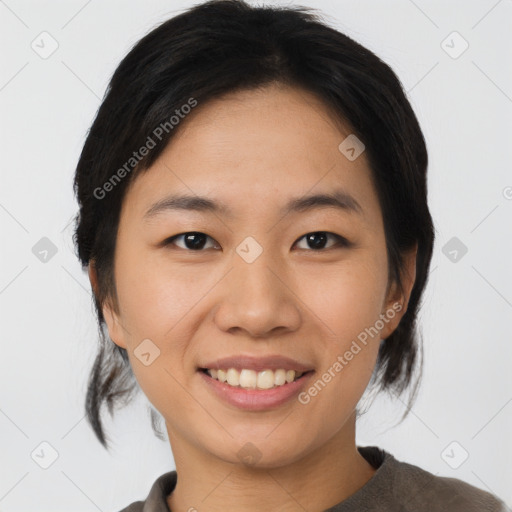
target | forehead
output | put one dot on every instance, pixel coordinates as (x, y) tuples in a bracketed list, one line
[(289, 121), (256, 148)]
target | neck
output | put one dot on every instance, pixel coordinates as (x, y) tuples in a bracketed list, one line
[(316, 482)]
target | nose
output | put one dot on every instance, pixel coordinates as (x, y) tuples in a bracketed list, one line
[(258, 299)]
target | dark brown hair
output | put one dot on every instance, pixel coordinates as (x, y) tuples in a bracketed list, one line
[(223, 46)]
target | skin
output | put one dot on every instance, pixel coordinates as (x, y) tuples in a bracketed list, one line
[(253, 151)]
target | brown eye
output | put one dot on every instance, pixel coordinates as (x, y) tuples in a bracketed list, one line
[(317, 240), (192, 240)]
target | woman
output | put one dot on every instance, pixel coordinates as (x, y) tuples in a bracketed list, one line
[(254, 221)]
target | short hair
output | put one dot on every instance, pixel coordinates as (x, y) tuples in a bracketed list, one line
[(224, 46)]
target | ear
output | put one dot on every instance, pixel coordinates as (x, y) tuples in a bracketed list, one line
[(115, 329), (396, 301)]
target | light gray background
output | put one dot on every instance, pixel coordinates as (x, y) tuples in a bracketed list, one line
[(48, 337)]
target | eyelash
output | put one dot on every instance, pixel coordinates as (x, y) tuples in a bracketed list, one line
[(341, 242)]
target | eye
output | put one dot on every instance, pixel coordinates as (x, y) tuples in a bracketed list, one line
[(193, 240), (196, 241), (317, 240)]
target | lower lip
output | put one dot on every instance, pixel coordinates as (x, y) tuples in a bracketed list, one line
[(256, 399)]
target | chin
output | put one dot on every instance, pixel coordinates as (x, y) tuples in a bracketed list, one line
[(262, 452)]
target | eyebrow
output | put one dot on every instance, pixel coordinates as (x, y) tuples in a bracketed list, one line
[(338, 199)]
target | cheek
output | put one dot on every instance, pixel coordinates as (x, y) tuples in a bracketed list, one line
[(156, 295), (348, 297), (164, 303), (348, 304)]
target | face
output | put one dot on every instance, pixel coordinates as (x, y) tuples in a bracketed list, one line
[(254, 278)]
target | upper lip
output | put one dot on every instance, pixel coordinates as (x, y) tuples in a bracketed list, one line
[(258, 364)]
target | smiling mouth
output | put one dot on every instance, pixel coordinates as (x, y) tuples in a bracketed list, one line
[(250, 379)]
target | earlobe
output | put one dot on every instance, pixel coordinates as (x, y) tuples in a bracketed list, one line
[(115, 330), (111, 318), (397, 300)]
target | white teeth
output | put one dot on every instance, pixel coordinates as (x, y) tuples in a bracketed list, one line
[(249, 379), (280, 377), (266, 379), (290, 375), (233, 377)]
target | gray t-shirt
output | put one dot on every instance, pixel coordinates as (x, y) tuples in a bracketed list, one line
[(395, 487)]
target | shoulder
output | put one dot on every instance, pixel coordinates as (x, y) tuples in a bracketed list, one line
[(419, 490), (156, 499), (136, 506), (463, 496)]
